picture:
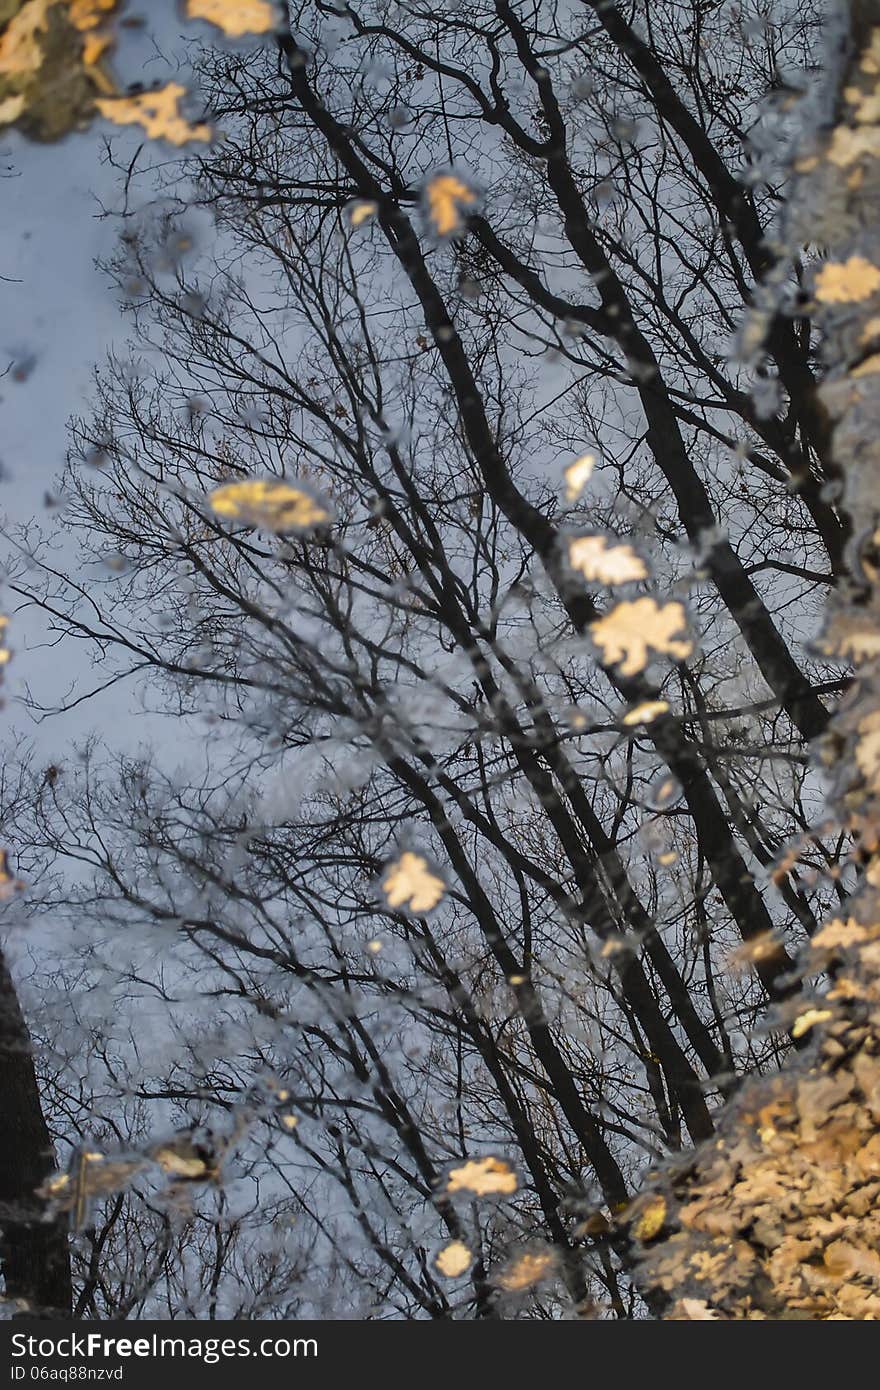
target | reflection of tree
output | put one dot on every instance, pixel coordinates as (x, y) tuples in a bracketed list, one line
[(419, 676)]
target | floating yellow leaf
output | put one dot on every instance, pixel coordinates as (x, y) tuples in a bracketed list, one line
[(694, 1310), (627, 634), (650, 1215), (88, 14), (526, 1270), (445, 195), (808, 1019), (360, 211), (846, 282), (869, 367), (454, 1259), (409, 882), (158, 112), (849, 145), (49, 73), (595, 559), (839, 935), (271, 504), (181, 1161), (235, 17), (484, 1177), (20, 45), (577, 475), (645, 713)]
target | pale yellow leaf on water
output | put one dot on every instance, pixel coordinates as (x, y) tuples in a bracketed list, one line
[(454, 1259), (852, 637), (849, 145), (10, 109), (360, 211), (645, 713), (158, 112), (595, 559), (94, 48), (235, 17), (847, 282), (526, 1270), (650, 1217), (483, 1176), (577, 475), (20, 49), (764, 946), (695, 1310), (869, 367), (180, 1163), (808, 1019), (271, 504), (838, 934), (627, 634), (445, 196), (409, 882)]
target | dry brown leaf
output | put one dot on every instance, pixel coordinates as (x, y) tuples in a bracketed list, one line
[(235, 17), (445, 196), (271, 504), (454, 1259), (485, 1177), (846, 282), (627, 634), (158, 112), (577, 475), (592, 557), (409, 882)]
